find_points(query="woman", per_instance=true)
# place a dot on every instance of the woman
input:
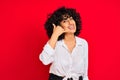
(67, 53)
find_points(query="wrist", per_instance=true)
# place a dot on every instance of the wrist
(53, 41)
(54, 36)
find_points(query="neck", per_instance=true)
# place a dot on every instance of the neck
(69, 37)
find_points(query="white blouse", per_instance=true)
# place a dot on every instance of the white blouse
(67, 64)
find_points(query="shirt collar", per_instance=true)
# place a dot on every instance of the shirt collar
(78, 41)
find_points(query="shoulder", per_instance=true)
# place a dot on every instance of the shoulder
(81, 40)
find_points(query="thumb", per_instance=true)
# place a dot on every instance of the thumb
(54, 26)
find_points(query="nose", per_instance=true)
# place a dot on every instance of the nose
(70, 22)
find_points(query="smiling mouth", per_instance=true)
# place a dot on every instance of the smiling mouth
(71, 27)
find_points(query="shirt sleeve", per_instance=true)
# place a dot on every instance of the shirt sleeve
(85, 77)
(47, 54)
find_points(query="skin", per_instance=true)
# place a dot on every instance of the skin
(68, 27)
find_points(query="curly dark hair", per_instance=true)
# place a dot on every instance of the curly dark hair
(57, 17)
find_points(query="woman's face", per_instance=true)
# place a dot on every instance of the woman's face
(68, 24)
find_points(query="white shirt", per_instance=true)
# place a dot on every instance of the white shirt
(67, 64)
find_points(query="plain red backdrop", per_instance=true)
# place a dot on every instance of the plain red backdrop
(22, 37)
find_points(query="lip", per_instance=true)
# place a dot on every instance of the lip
(71, 27)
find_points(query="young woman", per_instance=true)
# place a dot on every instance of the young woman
(67, 53)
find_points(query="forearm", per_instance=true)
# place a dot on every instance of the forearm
(48, 52)
(53, 40)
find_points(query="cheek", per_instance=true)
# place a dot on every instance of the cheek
(64, 26)
(74, 22)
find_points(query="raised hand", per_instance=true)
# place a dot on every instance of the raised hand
(57, 30)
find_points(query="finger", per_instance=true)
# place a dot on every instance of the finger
(66, 30)
(54, 26)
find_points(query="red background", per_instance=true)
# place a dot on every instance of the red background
(22, 37)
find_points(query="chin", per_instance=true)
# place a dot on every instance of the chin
(72, 32)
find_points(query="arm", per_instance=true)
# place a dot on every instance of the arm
(86, 62)
(47, 55)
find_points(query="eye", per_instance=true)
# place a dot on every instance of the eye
(64, 21)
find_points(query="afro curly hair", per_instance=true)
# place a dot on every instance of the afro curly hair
(57, 16)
